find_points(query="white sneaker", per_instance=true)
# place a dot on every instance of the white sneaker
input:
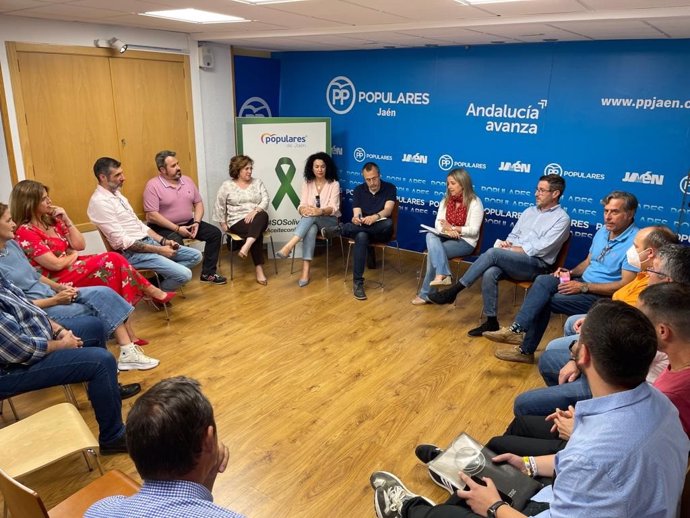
(136, 360)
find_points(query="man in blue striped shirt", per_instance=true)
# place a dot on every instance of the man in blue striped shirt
(172, 439)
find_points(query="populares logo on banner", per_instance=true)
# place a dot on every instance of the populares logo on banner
(285, 177)
(647, 178)
(555, 168)
(509, 119)
(446, 163)
(360, 155)
(255, 107)
(290, 140)
(685, 185)
(342, 95)
(515, 167)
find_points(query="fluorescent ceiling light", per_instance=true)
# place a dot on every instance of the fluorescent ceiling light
(480, 2)
(194, 16)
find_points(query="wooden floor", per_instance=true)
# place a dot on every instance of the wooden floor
(312, 389)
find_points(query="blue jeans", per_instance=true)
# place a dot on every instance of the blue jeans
(495, 264)
(545, 400)
(97, 301)
(570, 322)
(379, 232)
(552, 359)
(306, 230)
(175, 271)
(543, 299)
(93, 364)
(440, 250)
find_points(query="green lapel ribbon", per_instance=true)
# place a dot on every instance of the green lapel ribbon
(285, 182)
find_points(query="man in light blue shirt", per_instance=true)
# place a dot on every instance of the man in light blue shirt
(529, 250)
(172, 439)
(627, 455)
(604, 270)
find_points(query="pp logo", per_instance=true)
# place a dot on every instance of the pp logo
(340, 95)
(553, 168)
(445, 162)
(359, 154)
(685, 185)
(255, 107)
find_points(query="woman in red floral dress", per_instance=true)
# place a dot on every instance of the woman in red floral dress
(52, 242)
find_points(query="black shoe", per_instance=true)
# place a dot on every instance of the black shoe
(213, 278)
(391, 494)
(127, 391)
(428, 452)
(119, 445)
(371, 258)
(358, 291)
(446, 296)
(331, 232)
(486, 326)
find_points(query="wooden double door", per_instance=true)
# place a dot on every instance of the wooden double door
(77, 104)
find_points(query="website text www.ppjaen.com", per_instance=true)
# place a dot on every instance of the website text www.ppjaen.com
(646, 103)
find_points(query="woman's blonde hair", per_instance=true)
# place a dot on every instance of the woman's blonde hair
(463, 178)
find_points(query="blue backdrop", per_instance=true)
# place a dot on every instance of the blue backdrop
(257, 86)
(604, 115)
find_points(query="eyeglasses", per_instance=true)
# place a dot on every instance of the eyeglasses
(573, 350)
(604, 252)
(660, 274)
(542, 191)
(318, 201)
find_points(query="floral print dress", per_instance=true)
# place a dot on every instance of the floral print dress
(107, 269)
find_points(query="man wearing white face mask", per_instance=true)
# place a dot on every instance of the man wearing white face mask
(564, 385)
(604, 270)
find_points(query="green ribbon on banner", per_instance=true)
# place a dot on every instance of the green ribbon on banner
(285, 182)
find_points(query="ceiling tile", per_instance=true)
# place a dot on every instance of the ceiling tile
(674, 27)
(14, 5)
(601, 5)
(610, 30)
(426, 10)
(534, 7)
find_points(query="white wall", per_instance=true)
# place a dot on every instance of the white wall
(216, 89)
(212, 91)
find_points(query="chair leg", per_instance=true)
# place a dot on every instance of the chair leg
(14, 410)
(422, 271)
(91, 452)
(399, 257)
(273, 249)
(69, 394)
(383, 266)
(292, 263)
(347, 261)
(231, 258)
(342, 249)
(328, 246)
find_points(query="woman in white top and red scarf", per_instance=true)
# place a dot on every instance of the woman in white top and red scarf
(459, 219)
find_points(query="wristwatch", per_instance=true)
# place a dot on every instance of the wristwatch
(584, 287)
(491, 511)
